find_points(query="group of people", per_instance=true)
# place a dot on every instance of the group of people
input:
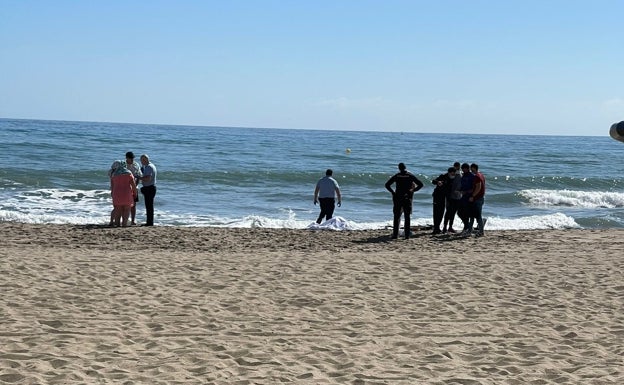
(125, 177)
(459, 194)
(454, 194)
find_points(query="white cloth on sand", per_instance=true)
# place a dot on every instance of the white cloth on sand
(336, 223)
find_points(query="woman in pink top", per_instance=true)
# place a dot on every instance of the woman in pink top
(123, 191)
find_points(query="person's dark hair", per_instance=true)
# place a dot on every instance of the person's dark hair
(456, 164)
(451, 169)
(329, 172)
(465, 165)
(475, 166)
(130, 155)
(402, 166)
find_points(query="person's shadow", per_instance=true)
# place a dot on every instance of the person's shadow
(416, 233)
(92, 226)
(449, 237)
(378, 239)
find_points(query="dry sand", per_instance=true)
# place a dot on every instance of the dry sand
(170, 305)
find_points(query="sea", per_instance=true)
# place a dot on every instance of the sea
(56, 172)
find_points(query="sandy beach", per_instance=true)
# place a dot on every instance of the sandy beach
(172, 305)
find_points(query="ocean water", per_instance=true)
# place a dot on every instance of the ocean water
(56, 172)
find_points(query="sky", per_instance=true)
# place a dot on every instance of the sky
(440, 66)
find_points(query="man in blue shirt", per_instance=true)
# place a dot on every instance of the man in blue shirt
(326, 191)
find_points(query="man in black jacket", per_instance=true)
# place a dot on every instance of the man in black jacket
(441, 194)
(405, 186)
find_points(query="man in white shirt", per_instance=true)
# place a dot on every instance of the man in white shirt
(326, 191)
(148, 180)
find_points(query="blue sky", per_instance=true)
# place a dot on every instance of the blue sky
(509, 67)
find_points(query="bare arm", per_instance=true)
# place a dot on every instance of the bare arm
(135, 192)
(476, 190)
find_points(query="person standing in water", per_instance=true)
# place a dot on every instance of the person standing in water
(326, 192)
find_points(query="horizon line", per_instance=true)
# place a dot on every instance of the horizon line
(300, 128)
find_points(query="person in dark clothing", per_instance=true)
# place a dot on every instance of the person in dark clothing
(441, 194)
(466, 205)
(454, 201)
(405, 185)
(477, 199)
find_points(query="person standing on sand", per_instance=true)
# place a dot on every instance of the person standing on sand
(406, 184)
(148, 180)
(326, 191)
(441, 193)
(477, 197)
(465, 206)
(453, 201)
(135, 169)
(123, 191)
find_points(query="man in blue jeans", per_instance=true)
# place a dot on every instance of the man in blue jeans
(148, 180)
(477, 199)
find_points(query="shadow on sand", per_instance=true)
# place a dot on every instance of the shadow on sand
(91, 226)
(417, 232)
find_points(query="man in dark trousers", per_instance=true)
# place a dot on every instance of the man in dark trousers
(441, 194)
(326, 191)
(405, 185)
(149, 187)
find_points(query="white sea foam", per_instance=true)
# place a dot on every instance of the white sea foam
(42, 218)
(571, 198)
(66, 206)
(57, 206)
(551, 221)
(291, 222)
(534, 222)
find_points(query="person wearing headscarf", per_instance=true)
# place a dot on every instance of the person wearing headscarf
(123, 191)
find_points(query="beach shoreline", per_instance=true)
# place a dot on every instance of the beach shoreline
(207, 238)
(181, 305)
